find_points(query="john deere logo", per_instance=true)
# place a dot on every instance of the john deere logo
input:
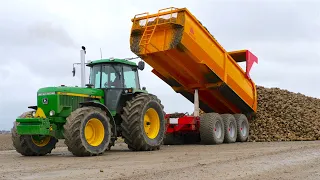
(45, 100)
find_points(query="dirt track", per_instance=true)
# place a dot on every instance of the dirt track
(275, 160)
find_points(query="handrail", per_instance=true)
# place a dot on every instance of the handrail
(145, 13)
(171, 8)
(160, 12)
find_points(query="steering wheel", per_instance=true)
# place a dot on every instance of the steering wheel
(106, 84)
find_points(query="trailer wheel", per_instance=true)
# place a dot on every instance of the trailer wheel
(242, 127)
(211, 128)
(230, 128)
(143, 123)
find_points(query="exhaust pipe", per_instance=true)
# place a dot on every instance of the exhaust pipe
(83, 60)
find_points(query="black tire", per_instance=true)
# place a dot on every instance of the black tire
(25, 145)
(74, 131)
(112, 143)
(114, 134)
(242, 127)
(211, 128)
(230, 128)
(133, 123)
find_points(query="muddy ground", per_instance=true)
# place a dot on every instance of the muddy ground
(263, 160)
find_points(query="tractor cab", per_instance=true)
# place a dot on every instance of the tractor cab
(117, 77)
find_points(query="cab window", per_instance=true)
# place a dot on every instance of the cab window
(111, 76)
(130, 77)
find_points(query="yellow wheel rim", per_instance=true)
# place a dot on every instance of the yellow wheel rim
(94, 132)
(41, 141)
(151, 123)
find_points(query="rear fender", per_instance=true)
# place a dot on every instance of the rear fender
(126, 97)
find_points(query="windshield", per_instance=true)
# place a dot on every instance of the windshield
(114, 76)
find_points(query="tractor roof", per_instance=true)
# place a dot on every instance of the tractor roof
(115, 60)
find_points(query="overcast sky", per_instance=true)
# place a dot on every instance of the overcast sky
(39, 41)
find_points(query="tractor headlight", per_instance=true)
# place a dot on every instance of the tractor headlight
(51, 113)
(33, 114)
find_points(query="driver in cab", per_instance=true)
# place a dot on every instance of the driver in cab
(117, 81)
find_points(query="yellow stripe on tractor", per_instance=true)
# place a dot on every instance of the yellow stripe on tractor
(79, 95)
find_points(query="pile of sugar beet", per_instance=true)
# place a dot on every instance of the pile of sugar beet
(285, 116)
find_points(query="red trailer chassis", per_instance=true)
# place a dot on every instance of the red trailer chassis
(182, 123)
(182, 129)
(185, 129)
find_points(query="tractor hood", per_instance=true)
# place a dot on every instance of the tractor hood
(62, 100)
(72, 91)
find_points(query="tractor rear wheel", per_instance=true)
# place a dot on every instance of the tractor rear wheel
(143, 124)
(87, 131)
(32, 145)
(211, 128)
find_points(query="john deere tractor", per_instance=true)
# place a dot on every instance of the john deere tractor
(91, 118)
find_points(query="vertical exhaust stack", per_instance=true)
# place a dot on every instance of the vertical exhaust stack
(83, 73)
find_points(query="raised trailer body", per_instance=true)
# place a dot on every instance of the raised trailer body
(184, 54)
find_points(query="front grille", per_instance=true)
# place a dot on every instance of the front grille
(72, 101)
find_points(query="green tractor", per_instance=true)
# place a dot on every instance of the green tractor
(91, 118)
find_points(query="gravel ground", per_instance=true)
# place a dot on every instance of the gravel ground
(259, 160)
(5, 142)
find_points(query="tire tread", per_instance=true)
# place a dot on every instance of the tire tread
(72, 133)
(131, 131)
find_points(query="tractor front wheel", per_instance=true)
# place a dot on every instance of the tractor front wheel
(143, 124)
(87, 131)
(32, 145)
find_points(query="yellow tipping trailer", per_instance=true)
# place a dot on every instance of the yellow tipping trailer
(184, 54)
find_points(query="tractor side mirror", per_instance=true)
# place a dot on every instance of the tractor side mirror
(141, 65)
(74, 71)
